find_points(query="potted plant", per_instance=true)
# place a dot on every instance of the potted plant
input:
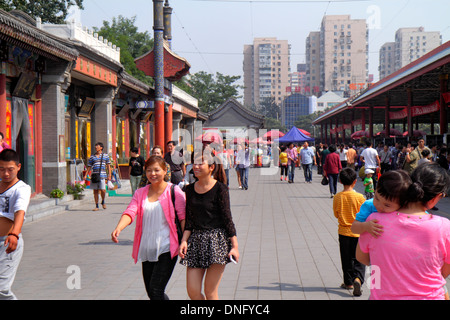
(76, 190)
(57, 194)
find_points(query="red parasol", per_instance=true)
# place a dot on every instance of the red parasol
(210, 137)
(271, 133)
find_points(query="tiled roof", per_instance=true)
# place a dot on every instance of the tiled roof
(31, 38)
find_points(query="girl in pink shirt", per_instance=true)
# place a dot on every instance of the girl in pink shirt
(411, 259)
(155, 240)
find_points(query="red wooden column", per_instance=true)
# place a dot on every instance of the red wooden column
(443, 110)
(363, 119)
(168, 126)
(409, 113)
(337, 133)
(386, 117)
(331, 135)
(352, 128)
(321, 132)
(114, 134)
(371, 122)
(147, 148)
(127, 135)
(3, 103)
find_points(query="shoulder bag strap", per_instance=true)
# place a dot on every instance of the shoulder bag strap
(100, 168)
(172, 194)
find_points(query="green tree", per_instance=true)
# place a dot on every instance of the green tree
(305, 122)
(268, 108)
(123, 33)
(274, 124)
(51, 11)
(211, 91)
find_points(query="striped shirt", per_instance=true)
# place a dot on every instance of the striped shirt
(94, 163)
(346, 205)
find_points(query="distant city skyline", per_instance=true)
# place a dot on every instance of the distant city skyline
(211, 34)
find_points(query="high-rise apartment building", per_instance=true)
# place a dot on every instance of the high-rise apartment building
(313, 63)
(387, 59)
(410, 44)
(297, 80)
(266, 70)
(343, 55)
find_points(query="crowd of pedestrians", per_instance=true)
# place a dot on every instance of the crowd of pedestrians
(183, 210)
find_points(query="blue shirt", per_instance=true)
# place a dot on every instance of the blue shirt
(307, 155)
(367, 208)
(94, 162)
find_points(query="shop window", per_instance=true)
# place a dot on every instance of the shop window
(143, 140)
(120, 141)
(134, 141)
(83, 140)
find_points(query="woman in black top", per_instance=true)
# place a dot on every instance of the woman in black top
(209, 240)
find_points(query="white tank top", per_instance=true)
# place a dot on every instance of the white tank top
(155, 239)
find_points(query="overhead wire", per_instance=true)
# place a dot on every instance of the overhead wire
(192, 41)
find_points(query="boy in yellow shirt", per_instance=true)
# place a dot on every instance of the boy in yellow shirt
(346, 205)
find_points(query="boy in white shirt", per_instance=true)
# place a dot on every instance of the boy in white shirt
(14, 199)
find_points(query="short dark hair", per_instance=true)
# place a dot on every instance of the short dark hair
(332, 148)
(347, 176)
(99, 144)
(393, 185)
(9, 155)
(425, 153)
(135, 150)
(171, 142)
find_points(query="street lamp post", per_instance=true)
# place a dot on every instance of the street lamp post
(158, 29)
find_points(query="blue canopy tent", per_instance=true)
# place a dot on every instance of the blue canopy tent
(294, 135)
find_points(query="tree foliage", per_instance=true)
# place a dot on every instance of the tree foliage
(51, 11)
(305, 122)
(211, 91)
(123, 33)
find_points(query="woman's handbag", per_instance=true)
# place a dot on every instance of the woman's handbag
(324, 181)
(177, 221)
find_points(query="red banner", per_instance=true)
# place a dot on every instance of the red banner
(418, 111)
(415, 111)
(398, 114)
(446, 96)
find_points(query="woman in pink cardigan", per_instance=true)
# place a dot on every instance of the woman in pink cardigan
(155, 239)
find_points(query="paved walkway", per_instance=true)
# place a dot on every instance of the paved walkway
(287, 237)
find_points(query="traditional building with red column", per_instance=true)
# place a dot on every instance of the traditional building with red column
(27, 55)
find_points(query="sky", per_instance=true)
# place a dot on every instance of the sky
(211, 34)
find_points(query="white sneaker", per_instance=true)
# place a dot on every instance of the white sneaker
(240, 187)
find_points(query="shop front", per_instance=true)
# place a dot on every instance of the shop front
(133, 122)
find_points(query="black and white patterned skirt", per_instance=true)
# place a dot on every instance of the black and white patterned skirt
(207, 247)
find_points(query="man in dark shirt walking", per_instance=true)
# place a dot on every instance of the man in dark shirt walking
(175, 160)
